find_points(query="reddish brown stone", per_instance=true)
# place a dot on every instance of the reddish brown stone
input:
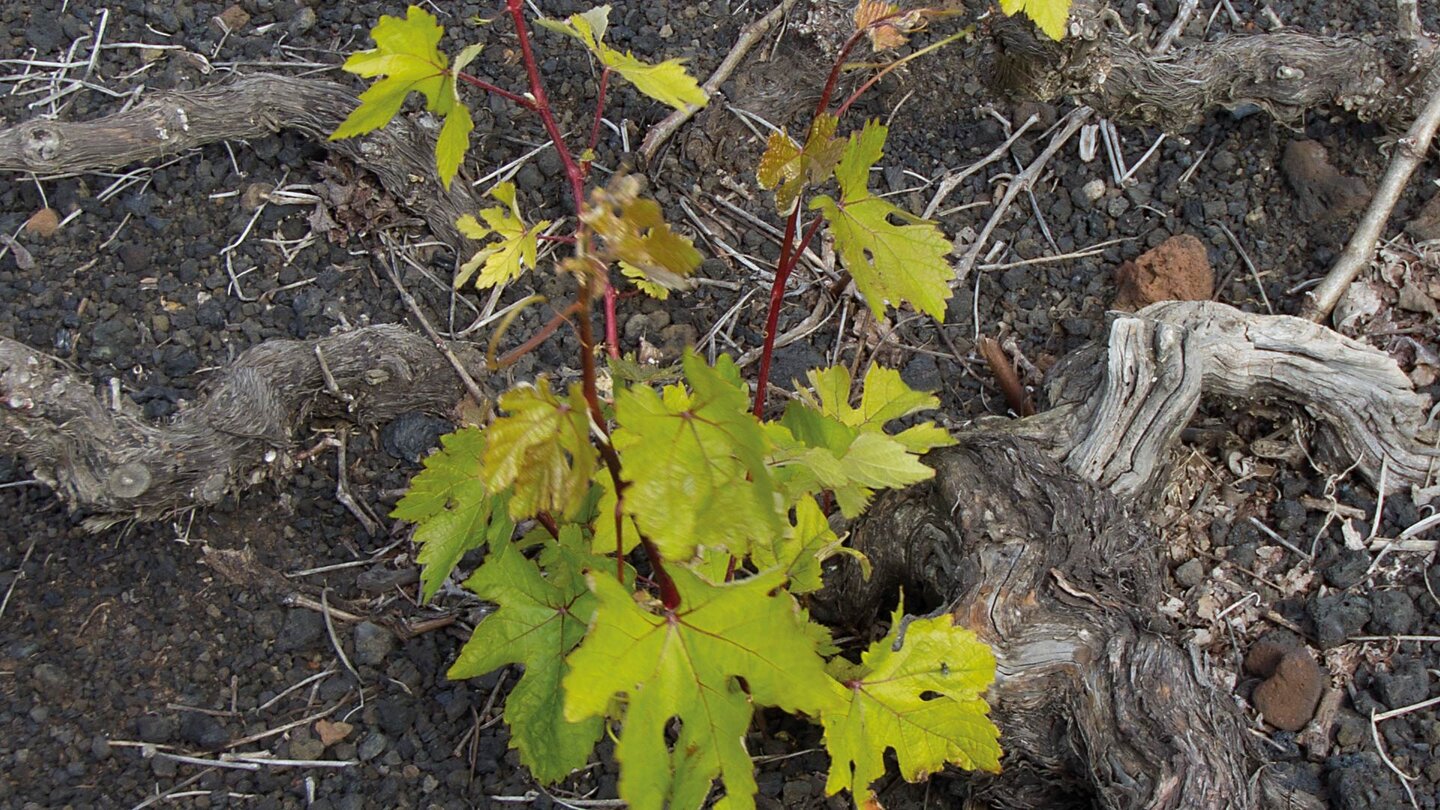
(1176, 270)
(43, 223)
(1288, 698)
(1265, 655)
(233, 19)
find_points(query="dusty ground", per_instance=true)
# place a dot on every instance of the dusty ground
(122, 652)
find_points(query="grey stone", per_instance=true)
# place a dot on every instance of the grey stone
(50, 681)
(154, 728)
(373, 644)
(203, 730)
(301, 629)
(372, 746)
(164, 767)
(306, 748)
(1393, 613)
(395, 715)
(1190, 573)
(1406, 683)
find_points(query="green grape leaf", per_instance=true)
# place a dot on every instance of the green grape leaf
(637, 236)
(453, 469)
(407, 55)
(789, 169)
(924, 437)
(454, 140)
(878, 461)
(588, 28)
(890, 263)
(918, 691)
(685, 664)
(1048, 15)
(822, 442)
(883, 398)
(453, 509)
(868, 461)
(819, 633)
(642, 282)
(695, 461)
(538, 623)
(628, 369)
(666, 82)
(541, 450)
(801, 550)
(516, 249)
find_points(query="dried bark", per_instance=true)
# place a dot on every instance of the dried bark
(1117, 409)
(1097, 706)
(401, 155)
(106, 458)
(1285, 73)
(1032, 534)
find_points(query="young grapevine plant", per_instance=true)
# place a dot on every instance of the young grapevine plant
(668, 534)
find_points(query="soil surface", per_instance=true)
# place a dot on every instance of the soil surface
(133, 660)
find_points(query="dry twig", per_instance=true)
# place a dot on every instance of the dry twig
(661, 132)
(1410, 150)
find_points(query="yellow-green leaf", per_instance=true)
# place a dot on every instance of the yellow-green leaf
(824, 443)
(1049, 15)
(917, 691)
(686, 664)
(453, 509)
(802, 549)
(884, 397)
(666, 82)
(454, 140)
(890, 262)
(588, 28)
(642, 282)
(700, 447)
(603, 540)
(541, 450)
(635, 233)
(538, 623)
(517, 245)
(407, 55)
(789, 169)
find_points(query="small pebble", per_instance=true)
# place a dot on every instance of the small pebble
(1190, 573)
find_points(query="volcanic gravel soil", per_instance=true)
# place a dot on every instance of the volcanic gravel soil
(132, 660)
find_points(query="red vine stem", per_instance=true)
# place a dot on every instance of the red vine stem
(539, 337)
(481, 84)
(599, 110)
(789, 257)
(573, 172)
(789, 254)
(542, 106)
(612, 328)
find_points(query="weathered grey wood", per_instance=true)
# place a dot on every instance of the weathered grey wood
(1093, 698)
(105, 457)
(1285, 73)
(1114, 418)
(1033, 535)
(402, 155)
